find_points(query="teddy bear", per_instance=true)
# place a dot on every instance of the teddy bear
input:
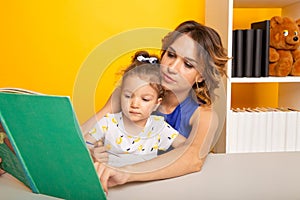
(284, 51)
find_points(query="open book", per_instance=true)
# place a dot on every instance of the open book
(41, 144)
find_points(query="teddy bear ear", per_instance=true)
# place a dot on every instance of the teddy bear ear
(276, 20)
(298, 23)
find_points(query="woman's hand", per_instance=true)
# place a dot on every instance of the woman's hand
(110, 177)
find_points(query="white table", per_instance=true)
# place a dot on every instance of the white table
(224, 176)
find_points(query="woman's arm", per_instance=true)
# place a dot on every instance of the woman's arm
(112, 105)
(180, 161)
(185, 159)
(178, 141)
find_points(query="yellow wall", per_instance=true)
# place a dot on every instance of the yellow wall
(254, 94)
(45, 43)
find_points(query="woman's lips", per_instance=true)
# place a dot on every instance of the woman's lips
(168, 78)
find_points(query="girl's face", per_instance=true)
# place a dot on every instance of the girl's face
(178, 65)
(138, 100)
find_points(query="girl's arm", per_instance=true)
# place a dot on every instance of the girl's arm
(183, 160)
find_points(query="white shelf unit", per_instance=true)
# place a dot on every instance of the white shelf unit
(219, 15)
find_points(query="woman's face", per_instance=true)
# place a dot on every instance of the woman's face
(179, 63)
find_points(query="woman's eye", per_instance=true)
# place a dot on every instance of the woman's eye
(171, 54)
(146, 100)
(188, 65)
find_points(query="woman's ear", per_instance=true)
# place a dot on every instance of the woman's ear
(199, 78)
(159, 100)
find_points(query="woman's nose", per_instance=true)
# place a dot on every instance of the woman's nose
(174, 66)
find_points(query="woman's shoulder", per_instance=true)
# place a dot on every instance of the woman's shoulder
(203, 112)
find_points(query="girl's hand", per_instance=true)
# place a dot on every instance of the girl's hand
(110, 177)
(97, 149)
(99, 152)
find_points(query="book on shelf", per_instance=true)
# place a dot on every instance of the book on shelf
(248, 43)
(265, 27)
(248, 117)
(233, 136)
(260, 120)
(266, 120)
(257, 54)
(298, 132)
(264, 130)
(42, 145)
(278, 135)
(238, 54)
(233, 63)
(291, 130)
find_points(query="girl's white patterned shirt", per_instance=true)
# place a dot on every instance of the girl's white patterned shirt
(156, 135)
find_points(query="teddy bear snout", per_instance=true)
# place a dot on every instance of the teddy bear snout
(295, 38)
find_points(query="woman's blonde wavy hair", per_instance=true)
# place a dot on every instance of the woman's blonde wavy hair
(211, 53)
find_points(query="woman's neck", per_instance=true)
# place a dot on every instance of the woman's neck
(171, 101)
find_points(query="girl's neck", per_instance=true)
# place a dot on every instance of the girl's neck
(131, 127)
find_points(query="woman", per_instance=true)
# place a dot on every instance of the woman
(192, 63)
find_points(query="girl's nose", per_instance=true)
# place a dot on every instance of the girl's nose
(134, 103)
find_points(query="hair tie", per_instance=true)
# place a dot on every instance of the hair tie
(151, 60)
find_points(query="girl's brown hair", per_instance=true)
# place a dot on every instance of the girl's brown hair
(147, 68)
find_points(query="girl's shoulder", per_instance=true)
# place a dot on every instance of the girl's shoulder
(111, 118)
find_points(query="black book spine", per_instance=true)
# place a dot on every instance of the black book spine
(239, 53)
(248, 52)
(265, 26)
(257, 53)
(233, 66)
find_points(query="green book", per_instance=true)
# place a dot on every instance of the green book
(44, 147)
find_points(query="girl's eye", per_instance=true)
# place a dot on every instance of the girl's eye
(146, 100)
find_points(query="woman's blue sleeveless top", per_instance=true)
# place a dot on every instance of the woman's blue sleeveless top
(180, 117)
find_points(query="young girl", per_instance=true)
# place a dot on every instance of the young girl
(134, 135)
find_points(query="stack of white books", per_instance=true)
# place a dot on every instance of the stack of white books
(263, 130)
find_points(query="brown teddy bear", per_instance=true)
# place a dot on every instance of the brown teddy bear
(284, 55)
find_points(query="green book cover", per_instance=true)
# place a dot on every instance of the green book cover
(49, 154)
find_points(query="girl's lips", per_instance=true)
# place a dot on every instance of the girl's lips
(134, 112)
(168, 78)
